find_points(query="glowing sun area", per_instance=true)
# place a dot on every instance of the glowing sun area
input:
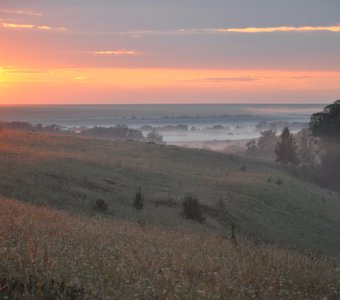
(2, 75)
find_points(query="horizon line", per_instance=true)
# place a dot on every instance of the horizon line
(194, 103)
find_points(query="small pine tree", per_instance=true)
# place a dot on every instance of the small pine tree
(100, 205)
(266, 143)
(138, 203)
(286, 148)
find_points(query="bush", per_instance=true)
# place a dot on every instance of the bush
(138, 203)
(277, 180)
(192, 209)
(100, 205)
(154, 137)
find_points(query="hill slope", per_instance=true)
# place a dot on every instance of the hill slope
(72, 172)
(48, 254)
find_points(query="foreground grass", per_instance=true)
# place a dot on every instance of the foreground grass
(46, 254)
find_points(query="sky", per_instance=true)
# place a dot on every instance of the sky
(169, 51)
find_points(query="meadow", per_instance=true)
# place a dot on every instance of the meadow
(259, 197)
(54, 243)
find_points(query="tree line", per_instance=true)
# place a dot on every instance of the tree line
(316, 150)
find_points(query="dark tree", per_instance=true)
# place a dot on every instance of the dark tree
(326, 124)
(154, 137)
(328, 173)
(192, 209)
(286, 148)
(266, 143)
(308, 152)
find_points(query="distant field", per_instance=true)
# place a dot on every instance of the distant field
(264, 201)
(49, 254)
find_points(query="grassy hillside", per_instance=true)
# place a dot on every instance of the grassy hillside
(48, 254)
(72, 172)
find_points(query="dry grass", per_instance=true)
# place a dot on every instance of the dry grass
(46, 254)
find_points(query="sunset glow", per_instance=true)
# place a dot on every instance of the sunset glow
(155, 85)
(48, 56)
(2, 76)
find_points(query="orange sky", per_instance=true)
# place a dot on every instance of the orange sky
(52, 58)
(29, 86)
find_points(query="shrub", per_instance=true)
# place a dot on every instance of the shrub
(100, 205)
(192, 209)
(138, 203)
(279, 181)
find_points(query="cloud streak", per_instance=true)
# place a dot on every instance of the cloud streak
(117, 52)
(205, 31)
(22, 12)
(222, 79)
(335, 28)
(8, 25)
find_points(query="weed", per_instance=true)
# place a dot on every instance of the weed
(138, 202)
(233, 236)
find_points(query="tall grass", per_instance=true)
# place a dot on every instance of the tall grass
(48, 253)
